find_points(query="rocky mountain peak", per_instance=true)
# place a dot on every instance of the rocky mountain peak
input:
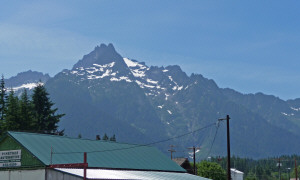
(103, 48)
(103, 54)
(26, 78)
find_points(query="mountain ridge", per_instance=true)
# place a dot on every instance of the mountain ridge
(105, 92)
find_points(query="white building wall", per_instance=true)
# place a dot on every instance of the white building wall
(38, 174)
(236, 175)
(57, 175)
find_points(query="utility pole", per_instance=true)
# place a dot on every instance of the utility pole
(85, 162)
(194, 151)
(279, 169)
(296, 173)
(288, 173)
(51, 154)
(171, 150)
(228, 147)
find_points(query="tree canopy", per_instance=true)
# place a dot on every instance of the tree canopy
(211, 170)
(35, 114)
(45, 117)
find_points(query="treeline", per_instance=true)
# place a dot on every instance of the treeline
(29, 114)
(104, 138)
(265, 169)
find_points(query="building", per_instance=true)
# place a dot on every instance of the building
(30, 156)
(185, 164)
(236, 175)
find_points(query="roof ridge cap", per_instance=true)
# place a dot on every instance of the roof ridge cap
(57, 136)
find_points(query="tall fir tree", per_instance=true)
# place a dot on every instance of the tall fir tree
(2, 104)
(12, 113)
(113, 138)
(26, 116)
(105, 137)
(2, 97)
(45, 117)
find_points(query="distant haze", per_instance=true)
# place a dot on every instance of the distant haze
(250, 46)
(105, 92)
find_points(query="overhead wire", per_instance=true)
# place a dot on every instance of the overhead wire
(212, 144)
(142, 145)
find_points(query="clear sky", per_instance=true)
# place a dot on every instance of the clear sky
(250, 46)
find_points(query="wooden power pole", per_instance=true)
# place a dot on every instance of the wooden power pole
(171, 150)
(296, 169)
(279, 164)
(85, 162)
(194, 157)
(228, 147)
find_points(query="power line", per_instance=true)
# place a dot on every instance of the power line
(136, 146)
(212, 144)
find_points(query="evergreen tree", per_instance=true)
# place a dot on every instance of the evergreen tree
(45, 117)
(98, 137)
(113, 138)
(105, 137)
(26, 117)
(2, 104)
(12, 114)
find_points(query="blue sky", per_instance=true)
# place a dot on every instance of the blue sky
(250, 46)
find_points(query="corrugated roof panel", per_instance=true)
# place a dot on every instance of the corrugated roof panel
(103, 154)
(125, 174)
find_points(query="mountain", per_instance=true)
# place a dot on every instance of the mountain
(107, 93)
(99, 95)
(280, 113)
(27, 80)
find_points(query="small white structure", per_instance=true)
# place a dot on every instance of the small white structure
(236, 175)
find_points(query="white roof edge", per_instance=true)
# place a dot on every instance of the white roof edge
(130, 174)
(236, 171)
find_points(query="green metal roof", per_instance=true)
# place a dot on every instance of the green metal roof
(101, 154)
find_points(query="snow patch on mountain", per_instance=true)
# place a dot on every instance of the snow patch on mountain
(285, 114)
(154, 80)
(106, 65)
(27, 86)
(138, 70)
(176, 87)
(295, 109)
(167, 95)
(130, 63)
(160, 106)
(121, 79)
(151, 81)
(98, 71)
(142, 74)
